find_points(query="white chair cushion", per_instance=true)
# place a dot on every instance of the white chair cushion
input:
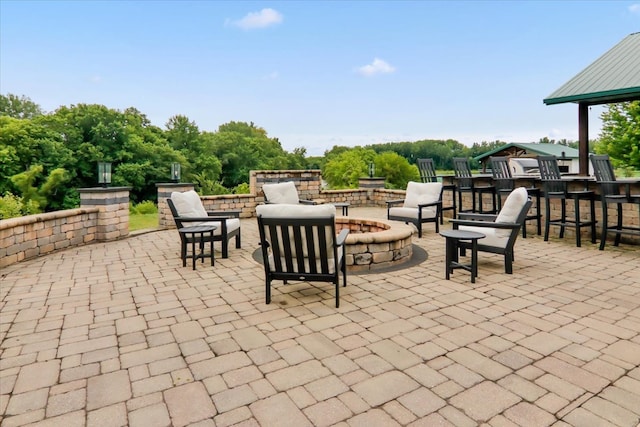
(232, 225)
(420, 193)
(283, 192)
(296, 211)
(188, 204)
(512, 208)
(492, 237)
(428, 212)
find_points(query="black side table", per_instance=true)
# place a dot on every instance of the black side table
(344, 206)
(453, 238)
(199, 234)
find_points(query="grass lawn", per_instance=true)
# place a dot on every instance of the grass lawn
(143, 221)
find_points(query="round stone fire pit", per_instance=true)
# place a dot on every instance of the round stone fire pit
(375, 243)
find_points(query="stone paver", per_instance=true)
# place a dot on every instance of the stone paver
(119, 333)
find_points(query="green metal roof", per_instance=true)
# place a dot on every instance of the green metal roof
(532, 148)
(614, 77)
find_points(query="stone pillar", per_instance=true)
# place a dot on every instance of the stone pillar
(113, 202)
(165, 219)
(371, 184)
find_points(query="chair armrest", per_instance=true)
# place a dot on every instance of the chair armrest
(200, 219)
(232, 213)
(425, 205)
(394, 202)
(477, 217)
(505, 225)
(342, 237)
(306, 202)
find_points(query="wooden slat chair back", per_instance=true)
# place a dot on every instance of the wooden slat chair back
(427, 170)
(300, 243)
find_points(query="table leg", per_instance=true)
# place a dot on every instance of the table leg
(474, 260)
(448, 257)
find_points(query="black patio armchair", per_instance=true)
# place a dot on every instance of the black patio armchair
(299, 243)
(501, 230)
(187, 210)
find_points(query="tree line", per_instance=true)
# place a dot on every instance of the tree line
(46, 157)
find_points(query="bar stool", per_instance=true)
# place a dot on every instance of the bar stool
(467, 185)
(557, 188)
(428, 174)
(505, 184)
(610, 195)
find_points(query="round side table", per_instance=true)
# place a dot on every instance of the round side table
(199, 234)
(453, 237)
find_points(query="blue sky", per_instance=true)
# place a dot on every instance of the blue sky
(318, 74)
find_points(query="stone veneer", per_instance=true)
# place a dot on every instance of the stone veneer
(103, 215)
(374, 244)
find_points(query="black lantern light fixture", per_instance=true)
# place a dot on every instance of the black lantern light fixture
(104, 173)
(175, 172)
(372, 169)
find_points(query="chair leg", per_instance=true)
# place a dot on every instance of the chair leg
(268, 291)
(592, 211)
(563, 215)
(619, 224)
(225, 247)
(578, 224)
(547, 212)
(538, 216)
(337, 286)
(605, 221)
(238, 246)
(508, 262)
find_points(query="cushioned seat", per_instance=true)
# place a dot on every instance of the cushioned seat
(421, 204)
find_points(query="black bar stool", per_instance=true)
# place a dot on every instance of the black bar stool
(466, 184)
(428, 174)
(557, 188)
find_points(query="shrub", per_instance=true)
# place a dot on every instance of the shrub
(12, 206)
(143, 208)
(241, 189)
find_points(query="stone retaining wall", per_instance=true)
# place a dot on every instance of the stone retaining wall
(34, 235)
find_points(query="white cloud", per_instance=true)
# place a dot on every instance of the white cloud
(263, 19)
(378, 66)
(635, 8)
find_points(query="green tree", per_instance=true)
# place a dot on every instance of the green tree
(344, 170)
(37, 188)
(18, 107)
(396, 170)
(620, 135)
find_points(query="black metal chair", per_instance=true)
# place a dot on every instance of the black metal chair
(466, 184)
(505, 184)
(501, 230)
(610, 196)
(227, 223)
(428, 174)
(300, 243)
(422, 204)
(555, 188)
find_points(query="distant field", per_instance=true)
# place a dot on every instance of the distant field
(142, 222)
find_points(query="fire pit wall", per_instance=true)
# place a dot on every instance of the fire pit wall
(375, 244)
